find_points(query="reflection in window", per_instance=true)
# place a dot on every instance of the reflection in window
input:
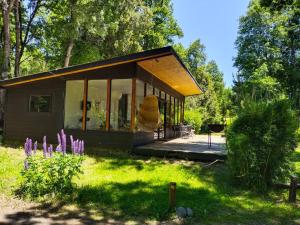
(139, 97)
(176, 111)
(156, 92)
(120, 112)
(168, 109)
(172, 114)
(96, 104)
(149, 89)
(73, 104)
(40, 103)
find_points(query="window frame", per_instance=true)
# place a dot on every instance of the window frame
(41, 95)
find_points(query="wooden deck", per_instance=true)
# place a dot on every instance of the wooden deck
(190, 148)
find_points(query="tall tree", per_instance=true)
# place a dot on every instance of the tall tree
(268, 44)
(7, 6)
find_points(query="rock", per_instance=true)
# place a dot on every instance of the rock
(181, 212)
(189, 212)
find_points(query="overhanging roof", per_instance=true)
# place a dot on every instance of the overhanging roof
(163, 63)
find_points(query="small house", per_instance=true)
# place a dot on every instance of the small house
(99, 101)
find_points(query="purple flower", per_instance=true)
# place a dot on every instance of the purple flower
(28, 147)
(50, 150)
(58, 148)
(72, 144)
(63, 141)
(59, 139)
(82, 147)
(45, 146)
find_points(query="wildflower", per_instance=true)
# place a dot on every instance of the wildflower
(35, 147)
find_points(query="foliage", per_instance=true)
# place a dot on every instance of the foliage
(117, 185)
(268, 45)
(50, 175)
(194, 118)
(67, 32)
(260, 142)
(214, 102)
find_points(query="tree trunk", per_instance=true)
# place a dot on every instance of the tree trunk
(69, 53)
(18, 39)
(6, 56)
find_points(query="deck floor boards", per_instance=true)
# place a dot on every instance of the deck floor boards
(192, 148)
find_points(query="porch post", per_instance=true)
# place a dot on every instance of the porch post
(108, 101)
(133, 103)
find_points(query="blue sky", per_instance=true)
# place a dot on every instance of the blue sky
(215, 22)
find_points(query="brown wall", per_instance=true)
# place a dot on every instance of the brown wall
(20, 123)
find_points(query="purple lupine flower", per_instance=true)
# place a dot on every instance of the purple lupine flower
(63, 141)
(26, 165)
(30, 145)
(79, 147)
(76, 146)
(35, 147)
(72, 143)
(45, 146)
(58, 148)
(50, 150)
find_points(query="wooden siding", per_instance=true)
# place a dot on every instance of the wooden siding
(20, 123)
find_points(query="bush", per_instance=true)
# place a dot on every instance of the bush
(50, 175)
(260, 142)
(193, 118)
(53, 172)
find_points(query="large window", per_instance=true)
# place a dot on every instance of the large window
(74, 104)
(139, 97)
(96, 105)
(40, 103)
(120, 112)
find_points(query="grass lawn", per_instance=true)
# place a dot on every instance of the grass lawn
(117, 185)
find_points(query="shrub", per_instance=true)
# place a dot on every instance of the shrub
(260, 142)
(51, 172)
(193, 118)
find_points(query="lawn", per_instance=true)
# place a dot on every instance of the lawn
(117, 185)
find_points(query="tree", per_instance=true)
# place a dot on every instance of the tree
(267, 43)
(7, 6)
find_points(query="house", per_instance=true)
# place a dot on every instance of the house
(99, 101)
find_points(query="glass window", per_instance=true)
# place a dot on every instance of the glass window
(172, 115)
(96, 105)
(74, 104)
(139, 97)
(168, 108)
(149, 89)
(120, 111)
(176, 111)
(162, 95)
(40, 103)
(156, 92)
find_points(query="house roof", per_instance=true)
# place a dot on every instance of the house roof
(163, 63)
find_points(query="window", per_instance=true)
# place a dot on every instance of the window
(96, 105)
(74, 104)
(149, 89)
(120, 111)
(40, 103)
(139, 97)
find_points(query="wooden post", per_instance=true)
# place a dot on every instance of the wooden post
(172, 195)
(84, 109)
(133, 104)
(293, 189)
(108, 102)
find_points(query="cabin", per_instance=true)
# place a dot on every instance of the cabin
(99, 101)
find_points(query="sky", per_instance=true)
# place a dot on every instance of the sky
(215, 22)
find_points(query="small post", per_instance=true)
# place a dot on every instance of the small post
(172, 195)
(293, 189)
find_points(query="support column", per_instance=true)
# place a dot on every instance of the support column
(108, 102)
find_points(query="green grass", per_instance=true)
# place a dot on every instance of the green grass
(125, 187)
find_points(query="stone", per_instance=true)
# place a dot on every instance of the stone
(181, 212)
(189, 212)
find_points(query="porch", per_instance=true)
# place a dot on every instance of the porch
(192, 148)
